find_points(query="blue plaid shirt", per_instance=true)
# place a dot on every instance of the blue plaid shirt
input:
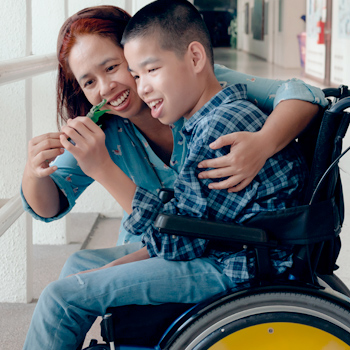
(278, 185)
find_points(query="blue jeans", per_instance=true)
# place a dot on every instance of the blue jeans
(68, 307)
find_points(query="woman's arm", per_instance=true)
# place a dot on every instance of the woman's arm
(268, 93)
(295, 102)
(90, 151)
(39, 190)
(249, 151)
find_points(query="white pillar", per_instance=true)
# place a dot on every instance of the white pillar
(16, 268)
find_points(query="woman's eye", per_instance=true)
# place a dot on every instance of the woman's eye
(152, 70)
(136, 77)
(88, 83)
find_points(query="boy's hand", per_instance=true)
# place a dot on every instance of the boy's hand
(42, 150)
(247, 156)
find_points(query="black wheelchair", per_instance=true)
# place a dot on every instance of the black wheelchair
(307, 308)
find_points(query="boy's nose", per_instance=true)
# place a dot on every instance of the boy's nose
(143, 88)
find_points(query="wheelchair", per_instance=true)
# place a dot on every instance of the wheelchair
(306, 308)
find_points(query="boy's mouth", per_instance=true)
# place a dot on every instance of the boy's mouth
(155, 107)
(120, 100)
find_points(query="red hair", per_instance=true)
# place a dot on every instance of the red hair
(71, 101)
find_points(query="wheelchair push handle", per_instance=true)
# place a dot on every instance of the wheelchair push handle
(109, 331)
(340, 106)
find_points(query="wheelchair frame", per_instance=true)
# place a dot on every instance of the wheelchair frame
(317, 295)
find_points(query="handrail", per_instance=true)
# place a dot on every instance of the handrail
(25, 67)
(10, 212)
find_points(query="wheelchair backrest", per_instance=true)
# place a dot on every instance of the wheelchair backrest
(326, 136)
(322, 144)
(315, 226)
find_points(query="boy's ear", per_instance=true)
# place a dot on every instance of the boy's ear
(198, 55)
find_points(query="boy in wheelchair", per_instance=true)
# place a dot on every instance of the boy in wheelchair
(174, 74)
(173, 70)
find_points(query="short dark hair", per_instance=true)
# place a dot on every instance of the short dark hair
(176, 23)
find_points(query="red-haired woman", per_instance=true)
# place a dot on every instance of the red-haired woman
(92, 67)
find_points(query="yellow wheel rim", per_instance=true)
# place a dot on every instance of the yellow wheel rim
(280, 336)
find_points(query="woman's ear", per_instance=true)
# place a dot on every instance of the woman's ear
(198, 55)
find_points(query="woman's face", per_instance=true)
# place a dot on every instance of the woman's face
(101, 70)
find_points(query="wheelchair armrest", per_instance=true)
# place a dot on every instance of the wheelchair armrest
(212, 230)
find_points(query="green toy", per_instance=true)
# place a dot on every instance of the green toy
(94, 114)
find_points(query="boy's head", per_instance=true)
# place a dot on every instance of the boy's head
(168, 49)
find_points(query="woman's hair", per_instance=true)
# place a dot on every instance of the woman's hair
(71, 101)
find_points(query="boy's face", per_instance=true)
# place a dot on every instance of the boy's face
(164, 81)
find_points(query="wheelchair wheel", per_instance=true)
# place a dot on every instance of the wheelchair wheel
(270, 321)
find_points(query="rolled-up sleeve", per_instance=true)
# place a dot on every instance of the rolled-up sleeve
(268, 93)
(69, 179)
(296, 89)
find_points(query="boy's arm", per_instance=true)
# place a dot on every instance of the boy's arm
(146, 206)
(141, 254)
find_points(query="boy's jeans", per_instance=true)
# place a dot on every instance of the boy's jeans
(68, 307)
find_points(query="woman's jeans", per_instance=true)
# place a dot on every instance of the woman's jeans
(67, 308)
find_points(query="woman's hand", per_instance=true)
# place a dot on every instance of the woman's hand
(38, 188)
(89, 147)
(248, 155)
(42, 150)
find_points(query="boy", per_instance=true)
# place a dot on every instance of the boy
(168, 50)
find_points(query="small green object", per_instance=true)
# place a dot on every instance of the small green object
(95, 113)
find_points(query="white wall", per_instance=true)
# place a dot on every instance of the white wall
(315, 53)
(245, 41)
(340, 57)
(281, 48)
(15, 258)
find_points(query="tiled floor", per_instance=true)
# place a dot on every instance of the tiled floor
(249, 64)
(15, 318)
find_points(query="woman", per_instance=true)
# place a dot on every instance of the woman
(92, 67)
(147, 151)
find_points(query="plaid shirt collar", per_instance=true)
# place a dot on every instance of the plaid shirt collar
(225, 96)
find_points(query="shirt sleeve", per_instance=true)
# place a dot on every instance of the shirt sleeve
(146, 207)
(268, 93)
(69, 179)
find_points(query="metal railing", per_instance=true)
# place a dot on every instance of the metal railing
(12, 71)
(10, 212)
(26, 67)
